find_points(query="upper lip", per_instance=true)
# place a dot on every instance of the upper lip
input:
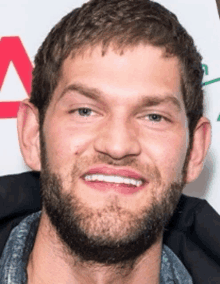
(123, 172)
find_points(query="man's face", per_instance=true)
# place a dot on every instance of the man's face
(113, 117)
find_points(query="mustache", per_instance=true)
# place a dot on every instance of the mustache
(84, 163)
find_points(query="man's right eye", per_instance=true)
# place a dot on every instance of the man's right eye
(82, 111)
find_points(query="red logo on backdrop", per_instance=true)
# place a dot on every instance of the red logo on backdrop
(12, 50)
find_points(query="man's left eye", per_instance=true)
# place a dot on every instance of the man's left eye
(155, 117)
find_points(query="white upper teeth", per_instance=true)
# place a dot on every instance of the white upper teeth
(114, 179)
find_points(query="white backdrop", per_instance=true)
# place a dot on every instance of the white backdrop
(30, 21)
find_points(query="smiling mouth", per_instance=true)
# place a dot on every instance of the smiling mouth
(120, 184)
(114, 179)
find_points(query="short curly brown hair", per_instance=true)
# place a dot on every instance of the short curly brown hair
(123, 23)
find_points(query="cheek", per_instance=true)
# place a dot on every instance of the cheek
(64, 145)
(176, 161)
(168, 153)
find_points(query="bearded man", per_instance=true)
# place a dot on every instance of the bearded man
(115, 125)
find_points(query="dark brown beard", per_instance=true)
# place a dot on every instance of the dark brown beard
(71, 219)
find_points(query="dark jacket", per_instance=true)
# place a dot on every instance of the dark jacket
(193, 233)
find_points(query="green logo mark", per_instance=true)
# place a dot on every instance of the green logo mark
(206, 72)
(211, 82)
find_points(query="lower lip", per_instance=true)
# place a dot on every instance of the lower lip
(117, 187)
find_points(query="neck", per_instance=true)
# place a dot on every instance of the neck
(49, 262)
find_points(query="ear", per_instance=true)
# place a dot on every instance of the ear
(28, 134)
(201, 142)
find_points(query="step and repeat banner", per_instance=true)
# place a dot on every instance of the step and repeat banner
(23, 26)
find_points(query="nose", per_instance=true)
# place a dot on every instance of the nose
(118, 139)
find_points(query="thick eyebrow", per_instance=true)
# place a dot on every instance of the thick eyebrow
(157, 100)
(145, 101)
(91, 93)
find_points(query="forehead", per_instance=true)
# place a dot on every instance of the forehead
(142, 70)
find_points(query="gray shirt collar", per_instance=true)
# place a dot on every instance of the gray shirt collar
(21, 240)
